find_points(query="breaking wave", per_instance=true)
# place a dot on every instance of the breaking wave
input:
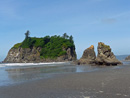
(30, 64)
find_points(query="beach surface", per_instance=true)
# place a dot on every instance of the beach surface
(106, 83)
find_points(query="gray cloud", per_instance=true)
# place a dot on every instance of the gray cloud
(109, 21)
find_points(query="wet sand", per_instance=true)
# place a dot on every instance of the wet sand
(113, 83)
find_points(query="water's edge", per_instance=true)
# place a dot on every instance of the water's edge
(14, 73)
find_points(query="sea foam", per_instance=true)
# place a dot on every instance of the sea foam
(30, 64)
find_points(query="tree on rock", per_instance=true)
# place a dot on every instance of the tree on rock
(71, 39)
(65, 36)
(27, 34)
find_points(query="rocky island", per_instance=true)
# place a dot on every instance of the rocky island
(127, 58)
(46, 49)
(105, 56)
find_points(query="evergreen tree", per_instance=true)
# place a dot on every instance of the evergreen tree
(65, 36)
(27, 34)
(71, 39)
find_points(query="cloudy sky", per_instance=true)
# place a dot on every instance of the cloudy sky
(89, 21)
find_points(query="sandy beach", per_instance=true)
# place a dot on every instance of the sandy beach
(113, 83)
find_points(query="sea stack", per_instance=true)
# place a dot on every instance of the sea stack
(88, 57)
(127, 58)
(45, 49)
(105, 56)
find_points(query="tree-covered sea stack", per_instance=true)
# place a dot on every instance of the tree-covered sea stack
(45, 49)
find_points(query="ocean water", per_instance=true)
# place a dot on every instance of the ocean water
(121, 57)
(14, 73)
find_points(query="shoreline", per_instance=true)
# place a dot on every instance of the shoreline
(31, 64)
(98, 84)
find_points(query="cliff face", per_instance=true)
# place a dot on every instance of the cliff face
(32, 55)
(22, 55)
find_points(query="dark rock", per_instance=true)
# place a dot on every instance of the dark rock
(88, 57)
(32, 55)
(105, 56)
(127, 58)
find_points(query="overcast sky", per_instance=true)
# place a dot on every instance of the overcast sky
(89, 21)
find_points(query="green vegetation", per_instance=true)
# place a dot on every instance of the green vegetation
(105, 46)
(17, 45)
(52, 46)
(27, 34)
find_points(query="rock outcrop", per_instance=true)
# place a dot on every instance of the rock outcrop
(45, 49)
(127, 58)
(88, 57)
(32, 55)
(105, 56)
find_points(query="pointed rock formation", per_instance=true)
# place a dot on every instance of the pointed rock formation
(105, 55)
(88, 57)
